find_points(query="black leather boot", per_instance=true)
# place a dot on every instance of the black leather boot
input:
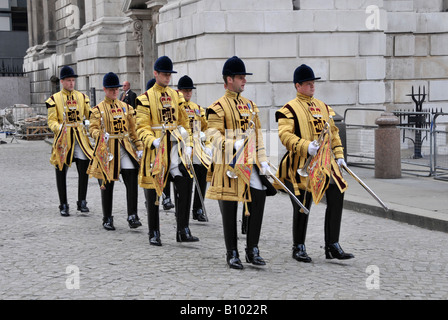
(233, 260)
(108, 223)
(254, 222)
(167, 203)
(152, 211)
(63, 210)
(154, 238)
(61, 183)
(201, 174)
(134, 221)
(334, 251)
(83, 182)
(228, 213)
(299, 225)
(198, 214)
(130, 178)
(82, 206)
(253, 256)
(333, 213)
(106, 202)
(184, 235)
(299, 253)
(182, 202)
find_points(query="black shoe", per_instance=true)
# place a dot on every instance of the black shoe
(334, 251)
(199, 215)
(82, 206)
(108, 223)
(299, 253)
(154, 238)
(253, 256)
(184, 235)
(167, 204)
(233, 260)
(63, 210)
(134, 221)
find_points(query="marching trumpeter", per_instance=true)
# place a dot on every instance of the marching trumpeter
(163, 127)
(68, 112)
(307, 130)
(117, 151)
(239, 160)
(166, 203)
(198, 126)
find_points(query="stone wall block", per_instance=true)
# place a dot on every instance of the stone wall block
(266, 45)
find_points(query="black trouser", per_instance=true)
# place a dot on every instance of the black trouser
(83, 180)
(201, 175)
(130, 178)
(229, 217)
(333, 214)
(182, 199)
(167, 189)
(152, 210)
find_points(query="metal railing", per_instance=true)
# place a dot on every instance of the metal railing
(416, 141)
(424, 140)
(360, 137)
(440, 139)
(11, 67)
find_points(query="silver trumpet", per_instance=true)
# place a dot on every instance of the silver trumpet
(230, 173)
(304, 170)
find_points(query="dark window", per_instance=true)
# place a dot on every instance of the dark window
(19, 19)
(18, 15)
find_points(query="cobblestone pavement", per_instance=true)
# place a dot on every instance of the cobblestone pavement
(42, 252)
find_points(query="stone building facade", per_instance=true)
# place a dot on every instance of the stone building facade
(369, 53)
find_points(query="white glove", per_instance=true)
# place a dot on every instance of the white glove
(208, 151)
(341, 162)
(183, 133)
(156, 143)
(188, 151)
(265, 169)
(313, 148)
(86, 123)
(202, 135)
(238, 144)
(139, 154)
(106, 137)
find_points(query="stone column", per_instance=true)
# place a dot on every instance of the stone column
(387, 147)
(144, 25)
(49, 29)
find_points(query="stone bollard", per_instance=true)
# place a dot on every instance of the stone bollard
(387, 147)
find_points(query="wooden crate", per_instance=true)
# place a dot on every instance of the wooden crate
(37, 133)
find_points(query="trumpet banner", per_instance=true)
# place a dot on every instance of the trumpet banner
(101, 153)
(244, 159)
(61, 146)
(200, 154)
(159, 167)
(320, 170)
